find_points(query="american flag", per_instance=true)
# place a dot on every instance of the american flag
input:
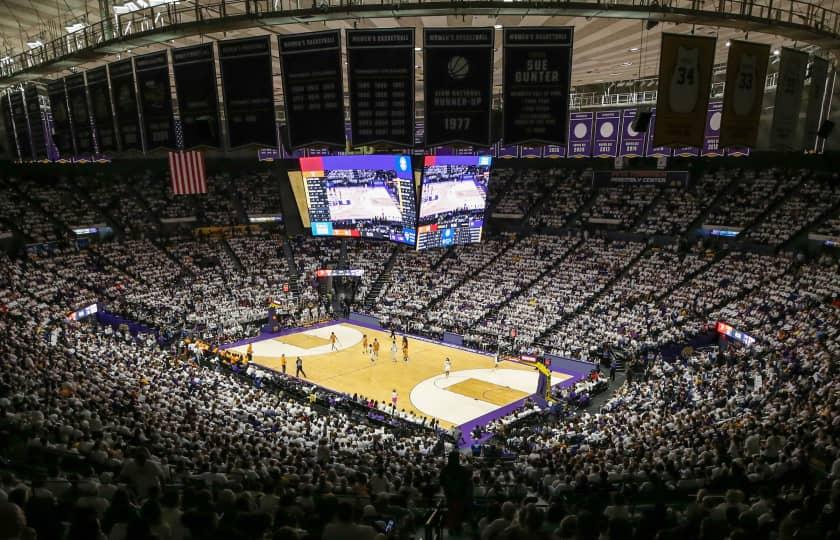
(186, 169)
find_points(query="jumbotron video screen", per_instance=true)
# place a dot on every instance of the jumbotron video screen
(361, 196)
(453, 200)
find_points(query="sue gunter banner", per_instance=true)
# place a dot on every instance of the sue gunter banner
(685, 78)
(537, 80)
(746, 72)
(793, 66)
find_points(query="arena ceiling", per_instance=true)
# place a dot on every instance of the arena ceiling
(606, 49)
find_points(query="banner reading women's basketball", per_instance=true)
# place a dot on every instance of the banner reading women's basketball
(458, 85)
(793, 66)
(537, 68)
(685, 78)
(746, 71)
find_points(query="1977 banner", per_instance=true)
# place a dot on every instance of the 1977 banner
(537, 68)
(458, 85)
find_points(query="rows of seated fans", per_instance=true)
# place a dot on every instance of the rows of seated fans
(678, 207)
(565, 194)
(750, 195)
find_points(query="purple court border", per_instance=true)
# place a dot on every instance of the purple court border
(465, 428)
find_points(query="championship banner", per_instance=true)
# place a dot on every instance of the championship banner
(21, 125)
(606, 134)
(79, 114)
(458, 84)
(746, 73)
(554, 151)
(62, 136)
(104, 135)
(248, 91)
(125, 104)
(817, 74)
(9, 126)
(651, 150)
(380, 71)
(32, 103)
(737, 151)
(580, 135)
(632, 142)
(508, 151)
(711, 140)
(198, 99)
(152, 72)
(640, 178)
(685, 79)
(531, 152)
(793, 66)
(536, 85)
(314, 98)
(686, 151)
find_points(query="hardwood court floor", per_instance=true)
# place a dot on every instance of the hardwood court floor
(350, 371)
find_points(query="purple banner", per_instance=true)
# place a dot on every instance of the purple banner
(735, 151)
(580, 135)
(655, 151)
(711, 140)
(606, 133)
(554, 151)
(531, 151)
(508, 152)
(686, 151)
(632, 142)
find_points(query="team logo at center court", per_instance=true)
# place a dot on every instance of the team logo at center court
(684, 84)
(458, 67)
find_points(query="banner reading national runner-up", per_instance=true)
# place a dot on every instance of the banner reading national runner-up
(313, 89)
(380, 69)
(458, 85)
(537, 79)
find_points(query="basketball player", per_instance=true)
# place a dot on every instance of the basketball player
(447, 366)
(283, 362)
(376, 348)
(370, 353)
(405, 349)
(333, 339)
(393, 349)
(299, 366)
(394, 398)
(364, 344)
(250, 353)
(497, 361)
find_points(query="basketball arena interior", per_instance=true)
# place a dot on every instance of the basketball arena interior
(419, 270)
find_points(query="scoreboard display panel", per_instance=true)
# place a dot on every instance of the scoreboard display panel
(453, 200)
(361, 196)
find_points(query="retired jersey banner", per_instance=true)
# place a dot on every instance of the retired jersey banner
(580, 135)
(536, 84)
(21, 125)
(793, 67)
(632, 142)
(380, 69)
(685, 79)
(313, 88)
(125, 104)
(554, 151)
(79, 114)
(62, 135)
(606, 133)
(100, 102)
(711, 140)
(37, 132)
(746, 72)
(152, 73)
(655, 151)
(458, 85)
(817, 74)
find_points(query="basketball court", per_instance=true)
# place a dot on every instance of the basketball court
(473, 389)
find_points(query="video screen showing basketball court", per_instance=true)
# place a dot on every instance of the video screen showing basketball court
(474, 392)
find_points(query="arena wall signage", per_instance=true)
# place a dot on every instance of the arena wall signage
(606, 134)
(640, 178)
(125, 105)
(18, 112)
(248, 91)
(685, 78)
(314, 98)
(536, 85)
(35, 117)
(198, 101)
(102, 118)
(79, 114)
(746, 69)
(62, 135)
(793, 66)
(458, 71)
(380, 74)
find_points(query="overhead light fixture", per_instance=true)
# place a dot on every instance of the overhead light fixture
(625, 64)
(777, 52)
(633, 49)
(75, 27)
(728, 43)
(418, 49)
(497, 26)
(35, 43)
